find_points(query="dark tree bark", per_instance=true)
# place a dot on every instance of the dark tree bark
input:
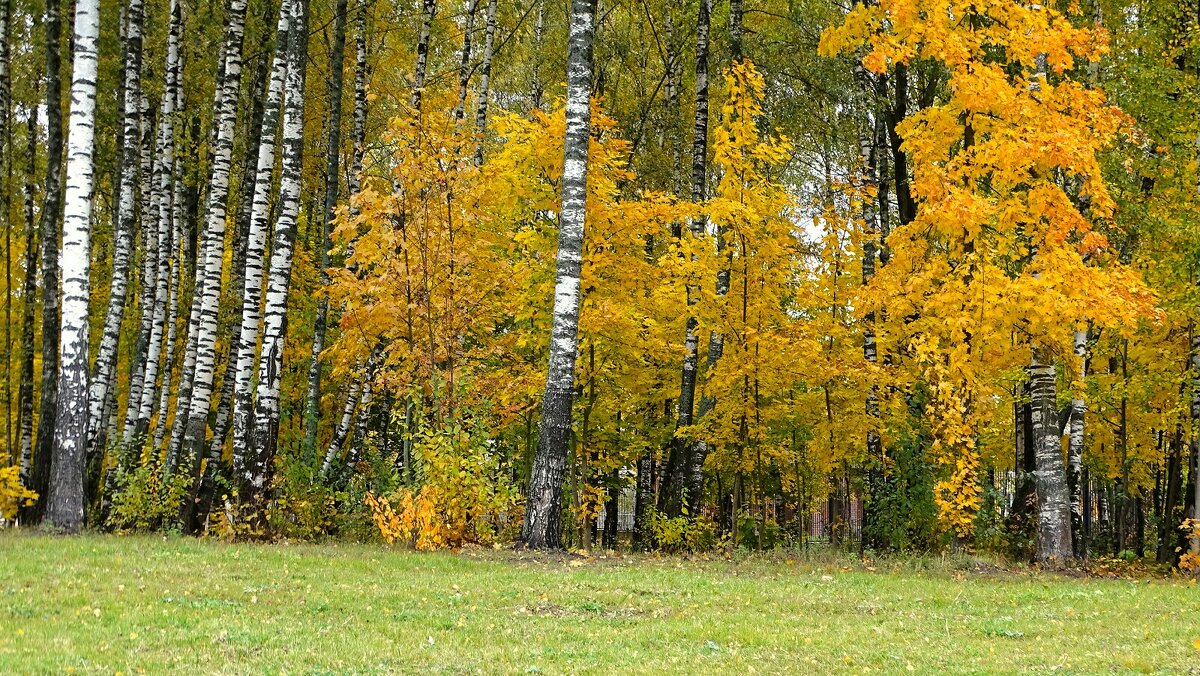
(337, 57)
(50, 215)
(544, 508)
(676, 474)
(28, 305)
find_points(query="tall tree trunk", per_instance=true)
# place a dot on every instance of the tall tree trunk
(164, 261)
(208, 276)
(333, 148)
(485, 76)
(543, 513)
(6, 171)
(64, 508)
(28, 304)
(677, 469)
(264, 436)
(104, 375)
(1194, 469)
(176, 281)
(51, 213)
(1054, 514)
(252, 284)
(1075, 451)
(536, 86)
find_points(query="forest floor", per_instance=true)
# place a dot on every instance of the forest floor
(106, 604)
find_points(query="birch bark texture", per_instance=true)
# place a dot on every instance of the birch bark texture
(270, 364)
(208, 275)
(1054, 515)
(251, 315)
(544, 508)
(64, 508)
(104, 374)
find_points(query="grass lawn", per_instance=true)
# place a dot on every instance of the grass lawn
(125, 604)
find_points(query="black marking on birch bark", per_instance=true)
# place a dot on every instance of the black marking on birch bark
(544, 506)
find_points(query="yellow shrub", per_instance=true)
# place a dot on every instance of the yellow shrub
(12, 494)
(463, 497)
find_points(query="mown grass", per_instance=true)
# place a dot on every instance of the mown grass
(101, 604)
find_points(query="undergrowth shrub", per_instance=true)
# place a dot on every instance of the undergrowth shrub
(462, 494)
(145, 501)
(682, 534)
(13, 495)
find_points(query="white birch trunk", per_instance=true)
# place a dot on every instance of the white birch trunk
(544, 510)
(270, 365)
(208, 276)
(65, 504)
(1054, 513)
(251, 317)
(485, 76)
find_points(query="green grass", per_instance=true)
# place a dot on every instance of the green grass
(107, 604)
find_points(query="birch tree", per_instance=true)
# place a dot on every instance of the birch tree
(270, 364)
(64, 507)
(544, 511)
(104, 373)
(485, 76)
(208, 274)
(251, 317)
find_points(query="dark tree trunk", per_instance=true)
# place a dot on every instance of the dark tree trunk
(51, 212)
(337, 56)
(679, 458)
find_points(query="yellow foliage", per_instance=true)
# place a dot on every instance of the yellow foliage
(13, 495)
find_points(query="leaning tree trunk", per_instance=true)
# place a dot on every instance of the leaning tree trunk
(342, 430)
(64, 508)
(252, 282)
(485, 76)
(208, 277)
(543, 513)
(104, 375)
(679, 459)
(1054, 514)
(264, 434)
(51, 212)
(337, 56)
